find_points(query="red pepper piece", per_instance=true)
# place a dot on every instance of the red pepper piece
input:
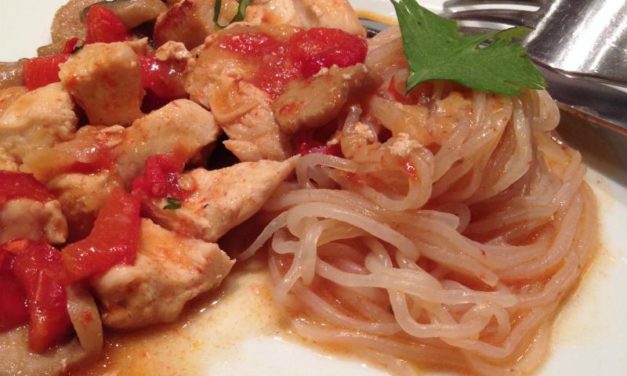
(160, 178)
(103, 26)
(13, 308)
(163, 78)
(319, 48)
(15, 185)
(70, 45)
(41, 71)
(39, 270)
(113, 239)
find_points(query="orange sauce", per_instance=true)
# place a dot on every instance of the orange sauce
(211, 327)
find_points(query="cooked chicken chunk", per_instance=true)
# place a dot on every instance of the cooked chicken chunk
(220, 81)
(181, 127)
(30, 219)
(37, 119)
(173, 51)
(256, 135)
(16, 359)
(9, 95)
(7, 163)
(313, 102)
(169, 271)
(81, 196)
(336, 14)
(222, 199)
(105, 80)
(88, 151)
(188, 21)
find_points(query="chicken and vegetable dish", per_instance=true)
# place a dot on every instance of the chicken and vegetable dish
(411, 206)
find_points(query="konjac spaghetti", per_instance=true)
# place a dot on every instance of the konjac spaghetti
(452, 250)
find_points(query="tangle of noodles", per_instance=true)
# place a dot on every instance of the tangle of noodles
(451, 248)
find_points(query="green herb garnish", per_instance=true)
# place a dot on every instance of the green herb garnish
(437, 50)
(172, 204)
(241, 13)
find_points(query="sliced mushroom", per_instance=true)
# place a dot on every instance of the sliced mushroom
(313, 102)
(68, 21)
(11, 74)
(135, 12)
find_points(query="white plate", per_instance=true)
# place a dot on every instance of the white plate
(240, 335)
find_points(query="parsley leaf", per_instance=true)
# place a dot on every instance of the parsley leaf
(239, 16)
(436, 50)
(172, 204)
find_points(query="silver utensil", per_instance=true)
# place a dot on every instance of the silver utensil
(578, 44)
(586, 38)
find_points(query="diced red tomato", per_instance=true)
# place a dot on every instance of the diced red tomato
(163, 78)
(113, 239)
(306, 143)
(6, 261)
(41, 71)
(275, 73)
(275, 68)
(303, 55)
(160, 178)
(13, 308)
(40, 272)
(319, 48)
(15, 185)
(102, 25)
(250, 44)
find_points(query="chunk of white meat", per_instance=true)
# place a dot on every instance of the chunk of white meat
(89, 147)
(181, 127)
(30, 219)
(9, 95)
(16, 359)
(222, 199)
(174, 51)
(37, 119)
(337, 14)
(314, 102)
(81, 196)
(256, 134)
(220, 81)
(7, 163)
(188, 22)
(170, 270)
(105, 80)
